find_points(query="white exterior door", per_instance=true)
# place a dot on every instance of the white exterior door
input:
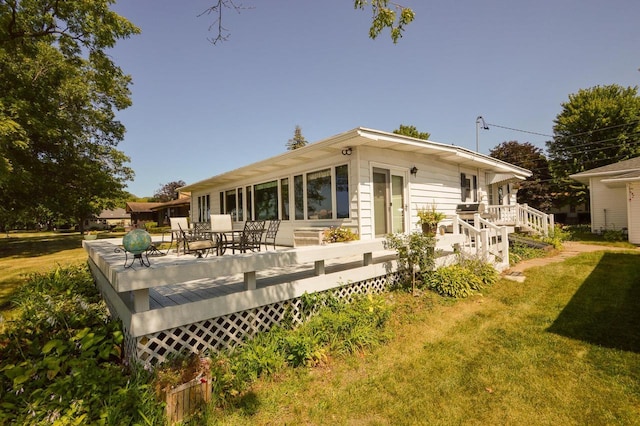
(388, 202)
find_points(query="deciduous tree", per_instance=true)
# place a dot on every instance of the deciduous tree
(596, 127)
(536, 190)
(168, 191)
(411, 131)
(58, 95)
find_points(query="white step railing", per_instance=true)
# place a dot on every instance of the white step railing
(521, 215)
(486, 240)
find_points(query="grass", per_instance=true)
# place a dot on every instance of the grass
(25, 253)
(22, 254)
(562, 348)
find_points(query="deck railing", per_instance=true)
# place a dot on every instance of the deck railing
(521, 215)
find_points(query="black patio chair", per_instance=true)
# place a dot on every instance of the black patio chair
(250, 238)
(270, 233)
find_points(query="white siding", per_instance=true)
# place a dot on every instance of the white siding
(633, 195)
(437, 182)
(608, 206)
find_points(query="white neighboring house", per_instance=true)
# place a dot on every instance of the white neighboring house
(368, 180)
(614, 197)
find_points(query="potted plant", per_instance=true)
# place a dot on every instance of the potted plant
(428, 218)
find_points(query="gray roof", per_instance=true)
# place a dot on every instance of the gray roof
(623, 170)
(117, 213)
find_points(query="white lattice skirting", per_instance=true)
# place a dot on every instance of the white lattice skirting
(231, 330)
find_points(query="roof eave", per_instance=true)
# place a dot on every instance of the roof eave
(354, 138)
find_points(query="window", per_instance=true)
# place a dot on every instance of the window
(249, 204)
(266, 200)
(319, 204)
(230, 203)
(468, 188)
(342, 192)
(203, 208)
(240, 211)
(298, 196)
(284, 196)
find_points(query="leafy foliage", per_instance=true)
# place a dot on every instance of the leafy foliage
(62, 358)
(168, 191)
(411, 131)
(383, 17)
(58, 95)
(386, 17)
(596, 127)
(536, 190)
(462, 279)
(414, 250)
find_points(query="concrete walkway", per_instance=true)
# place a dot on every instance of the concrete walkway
(569, 249)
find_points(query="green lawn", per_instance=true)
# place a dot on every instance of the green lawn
(561, 348)
(22, 254)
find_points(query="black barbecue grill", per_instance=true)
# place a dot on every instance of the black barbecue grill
(466, 211)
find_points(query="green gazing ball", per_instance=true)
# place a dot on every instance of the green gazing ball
(136, 241)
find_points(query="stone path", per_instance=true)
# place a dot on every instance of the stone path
(569, 249)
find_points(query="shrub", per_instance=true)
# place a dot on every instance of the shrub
(149, 226)
(560, 234)
(614, 235)
(415, 250)
(483, 270)
(452, 281)
(462, 279)
(61, 358)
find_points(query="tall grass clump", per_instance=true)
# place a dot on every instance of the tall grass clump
(61, 358)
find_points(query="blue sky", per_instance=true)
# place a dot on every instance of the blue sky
(200, 110)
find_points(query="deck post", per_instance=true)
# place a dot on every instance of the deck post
(250, 280)
(504, 237)
(319, 267)
(484, 245)
(140, 300)
(367, 259)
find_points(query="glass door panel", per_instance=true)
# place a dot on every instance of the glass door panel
(380, 202)
(397, 204)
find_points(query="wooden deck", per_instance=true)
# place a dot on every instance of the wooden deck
(215, 302)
